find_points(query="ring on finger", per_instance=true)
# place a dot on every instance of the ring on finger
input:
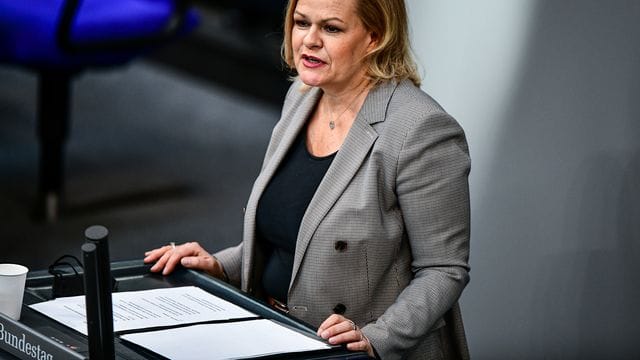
(353, 325)
(173, 245)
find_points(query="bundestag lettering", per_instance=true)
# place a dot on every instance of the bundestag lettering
(20, 343)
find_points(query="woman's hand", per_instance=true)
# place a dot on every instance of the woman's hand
(190, 255)
(337, 329)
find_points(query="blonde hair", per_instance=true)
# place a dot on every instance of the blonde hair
(387, 20)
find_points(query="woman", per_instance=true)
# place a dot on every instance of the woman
(359, 220)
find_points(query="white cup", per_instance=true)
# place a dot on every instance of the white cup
(12, 279)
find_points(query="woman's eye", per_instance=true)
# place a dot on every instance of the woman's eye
(331, 29)
(301, 23)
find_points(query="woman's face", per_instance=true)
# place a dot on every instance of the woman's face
(329, 43)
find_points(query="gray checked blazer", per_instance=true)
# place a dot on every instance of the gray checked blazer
(385, 239)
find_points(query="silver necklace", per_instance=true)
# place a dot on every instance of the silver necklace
(332, 123)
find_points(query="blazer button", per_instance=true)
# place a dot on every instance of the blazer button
(339, 309)
(340, 246)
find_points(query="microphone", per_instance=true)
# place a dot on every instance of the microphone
(97, 285)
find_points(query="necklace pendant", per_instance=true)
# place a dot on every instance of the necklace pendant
(332, 125)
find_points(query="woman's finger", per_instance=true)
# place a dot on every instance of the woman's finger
(161, 259)
(342, 327)
(349, 336)
(155, 254)
(166, 258)
(338, 325)
(173, 259)
(197, 262)
(329, 322)
(362, 345)
(337, 329)
(177, 253)
(354, 340)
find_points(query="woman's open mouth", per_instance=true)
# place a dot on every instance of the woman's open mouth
(311, 61)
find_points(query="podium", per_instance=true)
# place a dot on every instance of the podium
(36, 336)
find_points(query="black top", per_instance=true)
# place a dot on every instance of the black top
(280, 211)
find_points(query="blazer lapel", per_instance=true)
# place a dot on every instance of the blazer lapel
(296, 119)
(348, 160)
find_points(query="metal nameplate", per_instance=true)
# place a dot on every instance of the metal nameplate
(24, 342)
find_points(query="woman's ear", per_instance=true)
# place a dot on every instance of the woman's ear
(373, 41)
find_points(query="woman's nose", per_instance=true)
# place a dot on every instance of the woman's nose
(312, 39)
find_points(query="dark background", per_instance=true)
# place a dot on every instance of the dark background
(163, 149)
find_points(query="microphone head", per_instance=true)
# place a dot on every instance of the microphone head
(96, 233)
(88, 248)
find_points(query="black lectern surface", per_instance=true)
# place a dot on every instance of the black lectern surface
(36, 336)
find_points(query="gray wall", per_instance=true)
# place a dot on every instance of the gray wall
(548, 93)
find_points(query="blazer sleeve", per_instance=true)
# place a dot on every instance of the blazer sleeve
(231, 260)
(433, 195)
